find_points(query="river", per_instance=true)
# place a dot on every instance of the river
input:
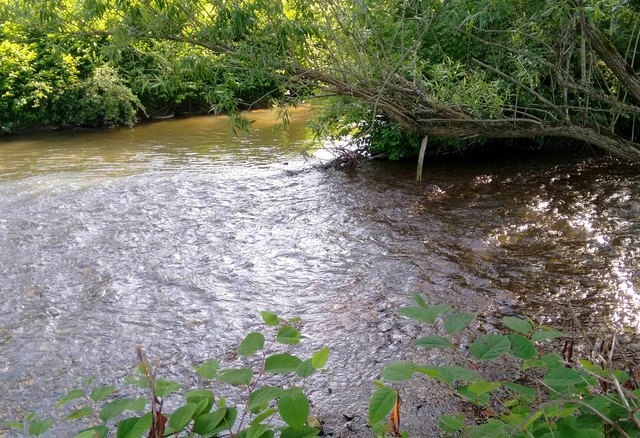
(175, 235)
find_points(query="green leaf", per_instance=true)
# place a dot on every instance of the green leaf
(419, 300)
(320, 358)
(490, 429)
(182, 416)
(208, 369)
(483, 387)
(299, 432)
(399, 371)
(71, 395)
(564, 380)
(552, 360)
(263, 396)
(288, 335)
(213, 422)
(476, 399)
(263, 416)
(489, 347)
(101, 393)
(522, 347)
(134, 427)
(451, 424)
(527, 394)
(93, 432)
(166, 387)
(282, 363)
(543, 335)
(517, 324)
(458, 321)
(433, 342)
(203, 398)
(424, 314)
(270, 318)
(38, 427)
(236, 376)
(454, 373)
(79, 413)
(117, 407)
(88, 381)
(12, 425)
(381, 403)
(293, 407)
(251, 343)
(305, 369)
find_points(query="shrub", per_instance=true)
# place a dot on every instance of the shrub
(552, 397)
(201, 413)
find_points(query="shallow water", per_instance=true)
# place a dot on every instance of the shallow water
(174, 236)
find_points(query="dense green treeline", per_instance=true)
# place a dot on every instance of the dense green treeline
(447, 72)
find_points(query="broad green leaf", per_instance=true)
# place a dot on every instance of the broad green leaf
(381, 403)
(527, 394)
(399, 371)
(117, 407)
(79, 413)
(93, 432)
(263, 396)
(255, 431)
(264, 415)
(293, 407)
(552, 360)
(235, 376)
(208, 424)
(458, 322)
(543, 335)
(299, 432)
(424, 314)
(71, 395)
(202, 398)
(517, 324)
(251, 343)
(12, 425)
(320, 358)
(124, 428)
(137, 428)
(454, 373)
(419, 300)
(38, 427)
(282, 363)
(305, 369)
(166, 387)
(490, 429)
(482, 387)
(208, 369)
(101, 393)
(288, 335)
(182, 416)
(489, 347)
(476, 399)
(270, 318)
(564, 380)
(450, 423)
(522, 347)
(433, 342)
(90, 380)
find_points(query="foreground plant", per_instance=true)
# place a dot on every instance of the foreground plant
(552, 397)
(264, 411)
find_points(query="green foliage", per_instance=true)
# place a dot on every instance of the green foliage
(198, 414)
(552, 398)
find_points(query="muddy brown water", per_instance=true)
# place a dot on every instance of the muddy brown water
(175, 235)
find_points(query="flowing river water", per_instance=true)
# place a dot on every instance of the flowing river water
(176, 234)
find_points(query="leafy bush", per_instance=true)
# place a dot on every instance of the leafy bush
(201, 413)
(552, 397)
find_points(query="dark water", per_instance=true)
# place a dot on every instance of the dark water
(175, 235)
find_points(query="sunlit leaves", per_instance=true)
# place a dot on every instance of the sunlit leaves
(398, 371)
(458, 322)
(235, 376)
(117, 407)
(270, 318)
(424, 314)
(282, 363)
(288, 335)
(71, 395)
(320, 358)
(433, 342)
(517, 324)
